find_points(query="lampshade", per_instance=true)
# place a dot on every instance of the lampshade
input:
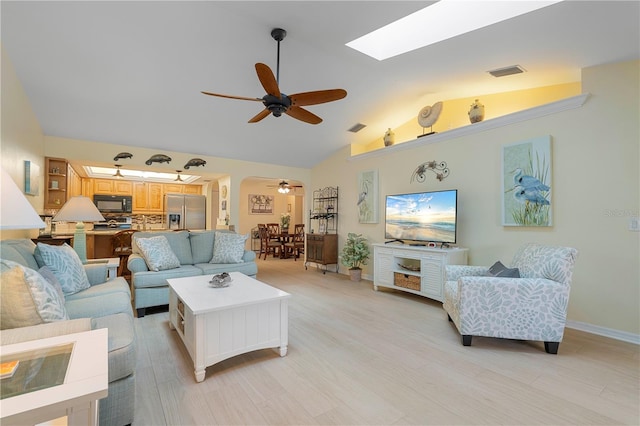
(79, 209)
(15, 210)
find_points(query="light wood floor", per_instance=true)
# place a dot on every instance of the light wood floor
(357, 356)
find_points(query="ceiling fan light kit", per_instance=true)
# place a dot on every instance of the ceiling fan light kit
(278, 103)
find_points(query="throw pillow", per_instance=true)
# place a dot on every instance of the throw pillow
(48, 275)
(228, 247)
(65, 265)
(27, 298)
(157, 253)
(499, 270)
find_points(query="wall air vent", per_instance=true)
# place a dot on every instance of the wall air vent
(502, 72)
(357, 127)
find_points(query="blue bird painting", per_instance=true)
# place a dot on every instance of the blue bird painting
(526, 196)
(528, 182)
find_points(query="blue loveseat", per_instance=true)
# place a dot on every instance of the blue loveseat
(194, 250)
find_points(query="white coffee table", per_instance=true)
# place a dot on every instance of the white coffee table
(219, 323)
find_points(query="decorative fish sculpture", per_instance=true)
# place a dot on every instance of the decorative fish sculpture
(195, 162)
(158, 158)
(122, 155)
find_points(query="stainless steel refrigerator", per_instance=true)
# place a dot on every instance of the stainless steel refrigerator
(185, 211)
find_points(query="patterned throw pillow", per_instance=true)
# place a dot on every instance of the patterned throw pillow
(157, 253)
(65, 265)
(228, 247)
(48, 275)
(27, 298)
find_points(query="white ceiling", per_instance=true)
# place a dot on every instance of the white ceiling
(131, 72)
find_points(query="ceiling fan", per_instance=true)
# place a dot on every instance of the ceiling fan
(284, 187)
(276, 102)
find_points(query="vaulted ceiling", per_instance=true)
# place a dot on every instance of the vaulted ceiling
(131, 72)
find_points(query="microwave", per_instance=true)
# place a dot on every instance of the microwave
(113, 203)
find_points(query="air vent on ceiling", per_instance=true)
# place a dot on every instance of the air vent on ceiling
(357, 127)
(510, 70)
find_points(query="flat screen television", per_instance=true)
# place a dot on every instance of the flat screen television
(422, 217)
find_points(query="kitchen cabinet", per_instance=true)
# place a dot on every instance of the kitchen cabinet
(172, 188)
(147, 197)
(112, 187)
(74, 182)
(176, 188)
(192, 189)
(55, 181)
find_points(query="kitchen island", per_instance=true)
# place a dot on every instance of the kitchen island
(98, 241)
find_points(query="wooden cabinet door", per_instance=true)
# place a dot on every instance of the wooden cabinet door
(74, 182)
(155, 197)
(172, 188)
(87, 187)
(122, 187)
(103, 186)
(192, 189)
(139, 196)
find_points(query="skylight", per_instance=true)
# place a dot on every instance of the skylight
(109, 173)
(440, 21)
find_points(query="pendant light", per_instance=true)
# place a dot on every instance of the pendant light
(118, 175)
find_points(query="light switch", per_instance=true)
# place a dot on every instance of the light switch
(634, 223)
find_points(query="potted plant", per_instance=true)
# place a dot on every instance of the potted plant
(355, 253)
(285, 219)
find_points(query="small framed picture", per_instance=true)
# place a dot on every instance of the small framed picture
(322, 227)
(223, 205)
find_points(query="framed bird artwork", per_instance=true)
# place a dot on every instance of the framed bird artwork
(526, 183)
(367, 203)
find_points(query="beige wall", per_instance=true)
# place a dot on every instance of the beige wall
(596, 180)
(21, 139)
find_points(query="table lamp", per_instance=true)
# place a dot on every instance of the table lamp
(79, 209)
(15, 211)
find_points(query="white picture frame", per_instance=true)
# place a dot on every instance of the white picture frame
(527, 183)
(367, 202)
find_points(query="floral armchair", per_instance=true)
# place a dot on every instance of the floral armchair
(532, 307)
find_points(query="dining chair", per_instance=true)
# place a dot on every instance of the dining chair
(296, 246)
(274, 231)
(267, 244)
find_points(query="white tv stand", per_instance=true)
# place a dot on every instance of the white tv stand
(424, 268)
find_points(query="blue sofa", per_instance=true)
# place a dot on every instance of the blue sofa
(194, 250)
(106, 304)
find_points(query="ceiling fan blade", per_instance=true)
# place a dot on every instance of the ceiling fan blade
(268, 81)
(303, 115)
(317, 97)
(262, 114)
(232, 97)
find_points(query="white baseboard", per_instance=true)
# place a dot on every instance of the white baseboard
(604, 331)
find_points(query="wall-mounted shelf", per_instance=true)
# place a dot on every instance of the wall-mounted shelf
(493, 123)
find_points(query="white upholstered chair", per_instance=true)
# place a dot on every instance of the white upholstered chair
(532, 307)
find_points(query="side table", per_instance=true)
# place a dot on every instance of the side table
(112, 265)
(86, 380)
